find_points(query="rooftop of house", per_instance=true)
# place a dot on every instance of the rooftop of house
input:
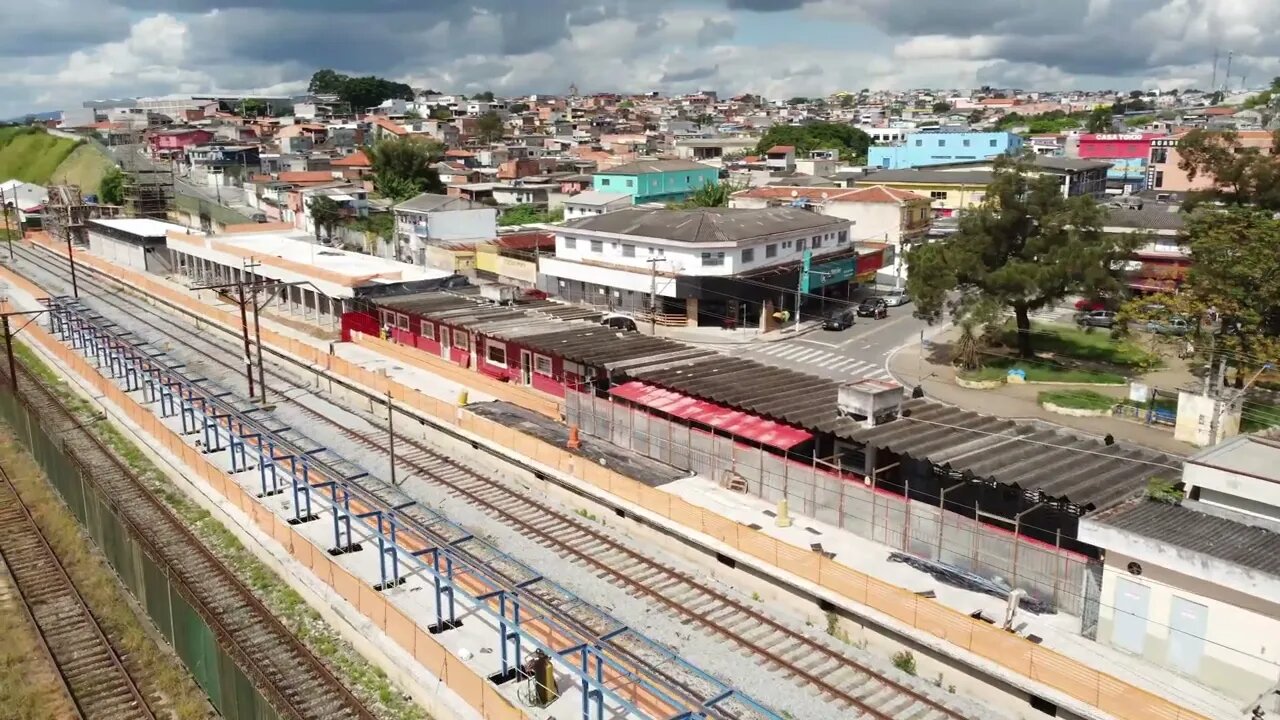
(355, 159)
(927, 176)
(594, 197)
(780, 150)
(1151, 216)
(305, 176)
(705, 225)
(645, 167)
(431, 202)
(874, 193)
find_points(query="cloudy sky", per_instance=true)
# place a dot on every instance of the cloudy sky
(71, 50)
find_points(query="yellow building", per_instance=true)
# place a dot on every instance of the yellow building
(949, 190)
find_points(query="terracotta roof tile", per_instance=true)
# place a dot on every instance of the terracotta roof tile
(355, 159)
(311, 176)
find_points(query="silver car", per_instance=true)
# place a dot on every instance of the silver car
(896, 298)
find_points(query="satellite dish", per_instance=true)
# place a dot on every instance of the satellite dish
(794, 193)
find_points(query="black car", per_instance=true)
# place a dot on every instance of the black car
(873, 308)
(838, 320)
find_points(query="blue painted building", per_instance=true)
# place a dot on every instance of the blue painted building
(655, 180)
(923, 149)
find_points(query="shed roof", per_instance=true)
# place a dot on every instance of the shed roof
(705, 225)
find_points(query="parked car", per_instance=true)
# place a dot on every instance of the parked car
(839, 320)
(896, 298)
(873, 308)
(1173, 326)
(619, 322)
(1098, 318)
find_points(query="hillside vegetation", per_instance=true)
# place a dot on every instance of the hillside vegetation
(85, 167)
(31, 154)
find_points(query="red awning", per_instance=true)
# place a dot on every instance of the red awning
(744, 425)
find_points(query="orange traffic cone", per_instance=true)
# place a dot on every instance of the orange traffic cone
(573, 443)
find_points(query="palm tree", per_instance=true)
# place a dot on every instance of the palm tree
(326, 213)
(712, 194)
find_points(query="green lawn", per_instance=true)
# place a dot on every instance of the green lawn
(1078, 344)
(31, 154)
(1042, 371)
(1077, 399)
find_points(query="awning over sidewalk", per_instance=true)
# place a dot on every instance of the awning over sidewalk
(744, 425)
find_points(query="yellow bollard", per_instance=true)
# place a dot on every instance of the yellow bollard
(462, 398)
(784, 516)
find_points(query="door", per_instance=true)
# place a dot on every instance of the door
(1130, 631)
(526, 367)
(446, 334)
(1188, 623)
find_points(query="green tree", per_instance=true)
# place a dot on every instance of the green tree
(529, 215)
(1241, 175)
(798, 101)
(1235, 270)
(253, 108)
(1023, 249)
(412, 115)
(489, 127)
(358, 92)
(852, 142)
(326, 82)
(111, 190)
(846, 101)
(1099, 120)
(941, 107)
(441, 113)
(326, 214)
(377, 226)
(710, 195)
(402, 167)
(517, 108)
(486, 96)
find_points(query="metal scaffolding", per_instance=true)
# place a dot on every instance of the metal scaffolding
(65, 214)
(609, 659)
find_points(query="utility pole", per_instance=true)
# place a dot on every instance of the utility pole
(1226, 79)
(391, 436)
(4, 207)
(249, 266)
(653, 294)
(71, 258)
(244, 332)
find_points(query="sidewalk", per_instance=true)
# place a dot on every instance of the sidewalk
(710, 335)
(1018, 402)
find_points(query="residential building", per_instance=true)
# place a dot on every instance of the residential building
(1165, 174)
(355, 167)
(352, 200)
(1160, 265)
(780, 158)
(594, 203)
(175, 141)
(523, 192)
(440, 219)
(876, 213)
(708, 266)
(655, 180)
(512, 258)
(820, 163)
(961, 185)
(1194, 586)
(924, 149)
(712, 149)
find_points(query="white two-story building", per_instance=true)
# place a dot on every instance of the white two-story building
(707, 266)
(430, 219)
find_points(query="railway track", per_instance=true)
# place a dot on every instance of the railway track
(809, 663)
(92, 672)
(296, 683)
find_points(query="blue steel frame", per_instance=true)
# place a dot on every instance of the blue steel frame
(595, 653)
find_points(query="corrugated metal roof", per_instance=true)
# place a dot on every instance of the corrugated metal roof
(1245, 544)
(734, 422)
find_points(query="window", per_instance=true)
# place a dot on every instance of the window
(427, 330)
(966, 142)
(604, 182)
(748, 255)
(597, 246)
(1159, 155)
(402, 322)
(938, 195)
(817, 242)
(388, 318)
(462, 340)
(571, 243)
(496, 353)
(800, 244)
(542, 365)
(1159, 179)
(771, 250)
(628, 250)
(710, 259)
(919, 143)
(842, 237)
(631, 182)
(786, 245)
(942, 143)
(994, 142)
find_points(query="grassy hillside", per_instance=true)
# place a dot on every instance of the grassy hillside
(31, 154)
(85, 166)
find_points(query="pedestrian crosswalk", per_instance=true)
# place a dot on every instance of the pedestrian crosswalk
(806, 358)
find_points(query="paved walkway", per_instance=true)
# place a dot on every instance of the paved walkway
(1019, 401)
